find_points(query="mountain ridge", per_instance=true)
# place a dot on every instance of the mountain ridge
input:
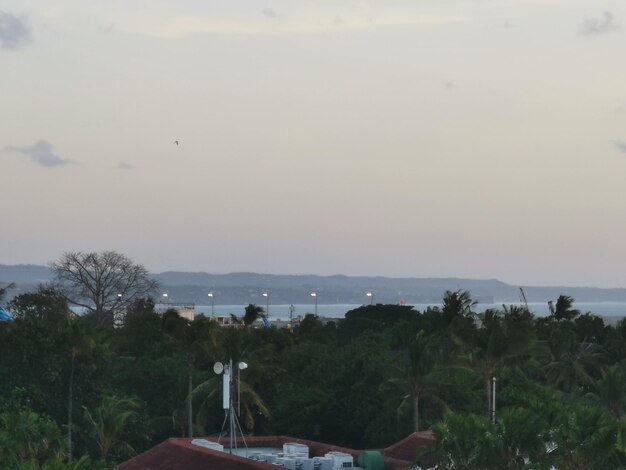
(247, 287)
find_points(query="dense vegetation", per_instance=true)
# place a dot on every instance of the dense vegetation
(75, 393)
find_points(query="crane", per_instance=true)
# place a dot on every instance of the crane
(523, 298)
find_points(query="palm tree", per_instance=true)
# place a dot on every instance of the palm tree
(26, 436)
(253, 313)
(231, 345)
(81, 343)
(501, 338)
(457, 318)
(570, 362)
(563, 309)
(420, 374)
(5, 289)
(199, 341)
(194, 340)
(467, 442)
(523, 439)
(587, 439)
(610, 389)
(107, 423)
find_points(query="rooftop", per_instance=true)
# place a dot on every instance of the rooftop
(180, 453)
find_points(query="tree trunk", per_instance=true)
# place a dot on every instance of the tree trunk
(416, 411)
(189, 404)
(488, 390)
(70, 410)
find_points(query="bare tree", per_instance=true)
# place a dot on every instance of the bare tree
(101, 282)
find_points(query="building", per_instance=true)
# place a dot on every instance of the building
(272, 452)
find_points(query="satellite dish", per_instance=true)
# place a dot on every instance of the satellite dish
(218, 368)
(243, 365)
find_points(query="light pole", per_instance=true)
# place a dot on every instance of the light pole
(266, 294)
(212, 297)
(314, 294)
(371, 296)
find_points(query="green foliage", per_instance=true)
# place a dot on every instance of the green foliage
(105, 425)
(373, 318)
(252, 314)
(26, 437)
(47, 303)
(364, 382)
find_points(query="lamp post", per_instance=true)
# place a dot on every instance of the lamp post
(314, 295)
(266, 294)
(371, 296)
(212, 297)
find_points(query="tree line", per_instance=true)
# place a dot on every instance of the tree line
(85, 391)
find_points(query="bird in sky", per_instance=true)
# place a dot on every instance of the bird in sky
(176, 142)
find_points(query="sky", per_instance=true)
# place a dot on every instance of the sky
(412, 138)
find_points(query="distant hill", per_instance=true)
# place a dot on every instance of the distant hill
(241, 288)
(24, 274)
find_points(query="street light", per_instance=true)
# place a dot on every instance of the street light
(371, 296)
(212, 303)
(266, 294)
(166, 298)
(314, 294)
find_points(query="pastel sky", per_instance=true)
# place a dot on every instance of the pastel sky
(414, 138)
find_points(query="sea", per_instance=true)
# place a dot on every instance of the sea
(609, 310)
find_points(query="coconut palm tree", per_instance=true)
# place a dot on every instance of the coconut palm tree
(420, 374)
(81, 342)
(231, 344)
(26, 436)
(104, 425)
(610, 389)
(5, 289)
(457, 323)
(586, 439)
(570, 362)
(563, 308)
(195, 340)
(198, 341)
(467, 442)
(502, 337)
(252, 314)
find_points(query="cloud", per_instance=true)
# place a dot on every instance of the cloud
(124, 166)
(41, 153)
(269, 13)
(620, 145)
(106, 29)
(14, 32)
(604, 24)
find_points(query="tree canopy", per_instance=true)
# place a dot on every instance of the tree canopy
(77, 394)
(100, 282)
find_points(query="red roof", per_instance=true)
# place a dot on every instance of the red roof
(407, 448)
(179, 453)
